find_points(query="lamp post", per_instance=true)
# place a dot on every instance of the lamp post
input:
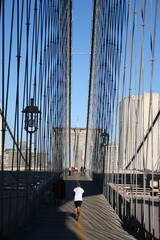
(104, 139)
(104, 142)
(31, 123)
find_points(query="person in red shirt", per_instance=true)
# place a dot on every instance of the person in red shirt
(72, 171)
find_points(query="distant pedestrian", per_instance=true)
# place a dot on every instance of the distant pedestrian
(57, 191)
(84, 171)
(72, 170)
(81, 170)
(78, 194)
(66, 171)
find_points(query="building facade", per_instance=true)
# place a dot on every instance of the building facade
(139, 137)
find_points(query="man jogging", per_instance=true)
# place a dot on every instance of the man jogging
(78, 193)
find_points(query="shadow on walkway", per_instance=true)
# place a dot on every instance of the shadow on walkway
(49, 223)
(98, 219)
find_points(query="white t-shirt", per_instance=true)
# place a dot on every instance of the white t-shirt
(78, 193)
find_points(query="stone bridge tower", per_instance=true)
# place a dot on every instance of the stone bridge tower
(78, 138)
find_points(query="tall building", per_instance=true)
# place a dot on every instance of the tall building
(139, 147)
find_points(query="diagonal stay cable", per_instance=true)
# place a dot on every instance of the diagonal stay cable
(12, 136)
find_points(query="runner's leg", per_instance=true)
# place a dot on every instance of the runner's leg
(78, 211)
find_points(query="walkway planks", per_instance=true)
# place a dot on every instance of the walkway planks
(97, 221)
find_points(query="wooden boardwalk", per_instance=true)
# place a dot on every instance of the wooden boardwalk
(97, 221)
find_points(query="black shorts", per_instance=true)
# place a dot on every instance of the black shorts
(78, 203)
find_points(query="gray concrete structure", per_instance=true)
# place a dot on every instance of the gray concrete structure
(111, 157)
(136, 117)
(78, 138)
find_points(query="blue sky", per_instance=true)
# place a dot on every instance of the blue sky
(81, 47)
(81, 43)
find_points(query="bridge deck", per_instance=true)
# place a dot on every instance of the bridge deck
(97, 219)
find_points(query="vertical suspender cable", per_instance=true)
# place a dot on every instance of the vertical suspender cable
(151, 103)
(118, 63)
(90, 83)
(124, 108)
(70, 55)
(8, 78)
(150, 113)
(17, 106)
(143, 11)
(3, 122)
(136, 111)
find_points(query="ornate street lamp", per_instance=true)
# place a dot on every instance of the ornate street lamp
(31, 118)
(104, 137)
(31, 123)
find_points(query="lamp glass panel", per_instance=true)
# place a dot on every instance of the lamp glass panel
(30, 122)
